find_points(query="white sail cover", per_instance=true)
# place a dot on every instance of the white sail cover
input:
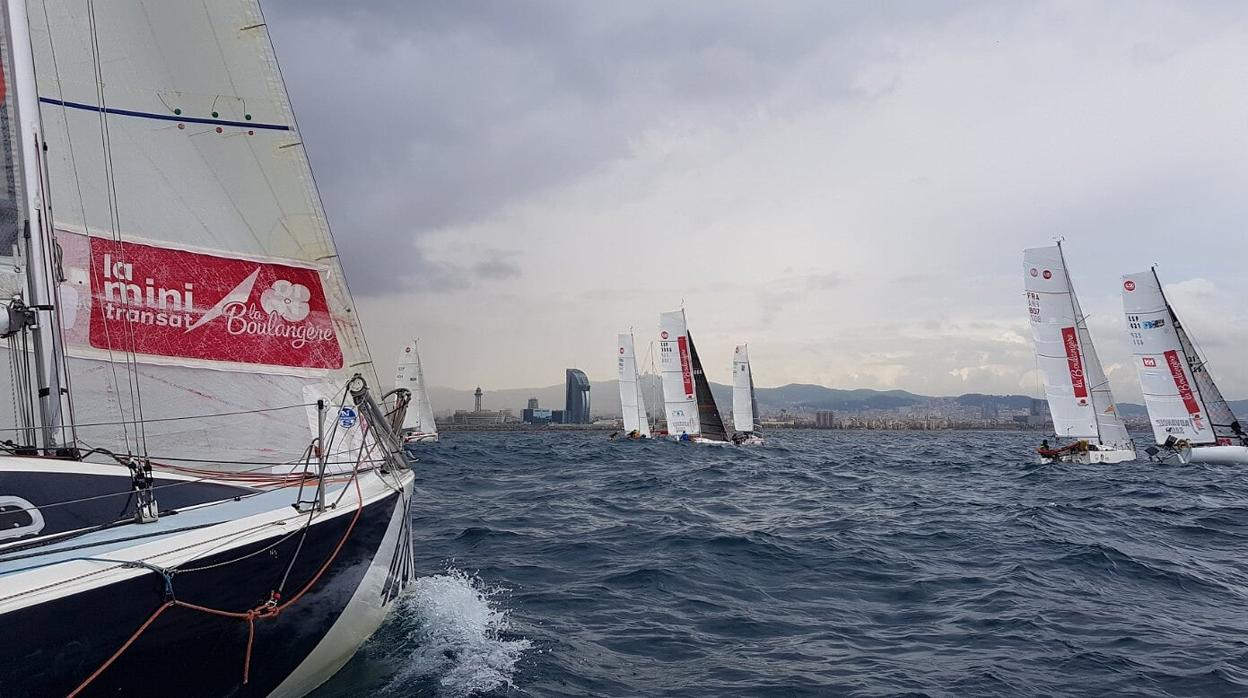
(200, 276)
(1078, 393)
(1172, 390)
(742, 390)
(679, 398)
(419, 417)
(632, 405)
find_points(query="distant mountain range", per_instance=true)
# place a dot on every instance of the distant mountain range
(795, 397)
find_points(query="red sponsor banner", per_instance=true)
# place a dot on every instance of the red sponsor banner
(153, 300)
(1070, 340)
(686, 371)
(1180, 381)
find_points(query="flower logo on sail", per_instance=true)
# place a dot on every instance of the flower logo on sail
(288, 300)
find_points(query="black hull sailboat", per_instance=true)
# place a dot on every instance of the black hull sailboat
(198, 607)
(200, 494)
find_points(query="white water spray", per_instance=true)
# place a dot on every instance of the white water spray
(456, 636)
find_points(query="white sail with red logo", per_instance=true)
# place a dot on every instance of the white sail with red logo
(676, 363)
(1078, 392)
(199, 276)
(632, 405)
(418, 422)
(1182, 399)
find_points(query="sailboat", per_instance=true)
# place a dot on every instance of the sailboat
(744, 403)
(419, 425)
(1191, 420)
(1075, 384)
(687, 400)
(202, 492)
(632, 404)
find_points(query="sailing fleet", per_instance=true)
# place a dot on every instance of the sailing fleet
(688, 404)
(1191, 421)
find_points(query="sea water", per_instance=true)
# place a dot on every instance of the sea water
(825, 563)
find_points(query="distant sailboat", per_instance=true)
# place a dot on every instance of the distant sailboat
(418, 424)
(744, 403)
(1190, 418)
(691, 411)
(1077, 389)
(632, 405)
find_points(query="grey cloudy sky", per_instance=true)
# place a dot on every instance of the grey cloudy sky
(846, 186)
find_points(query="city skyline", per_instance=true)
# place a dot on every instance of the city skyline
(846, 188)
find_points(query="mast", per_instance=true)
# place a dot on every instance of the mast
(37, 231)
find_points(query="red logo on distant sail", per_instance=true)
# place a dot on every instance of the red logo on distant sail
(1129, 285)
(621, 350)
(1078, 381)
(153, 300)
(1048, 274)
(663, 334)
(1180, 382)
(1150, 362)
(686, 371)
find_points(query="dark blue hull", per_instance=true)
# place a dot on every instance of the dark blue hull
(49, 649)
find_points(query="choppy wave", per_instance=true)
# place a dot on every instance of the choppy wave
(831, 563)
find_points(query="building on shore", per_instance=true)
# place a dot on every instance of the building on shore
(534, 415)
(480, 416)
(576, 406)
(825, 419)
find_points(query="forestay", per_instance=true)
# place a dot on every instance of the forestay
(411, 375)
(199, 273)
(1181, 397)
(675, 360)
(1075, 385)
(744, 407)
(632, 405)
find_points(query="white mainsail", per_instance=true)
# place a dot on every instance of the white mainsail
(199, 273)
(1181, 397)
(632, 405)
(1075, 384)
(419, 417)
(743, 403)
(679, 397)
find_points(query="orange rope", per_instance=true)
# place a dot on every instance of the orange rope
(151, 619)
(265, 610)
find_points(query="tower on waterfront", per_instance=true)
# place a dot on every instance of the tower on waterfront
(576, 405)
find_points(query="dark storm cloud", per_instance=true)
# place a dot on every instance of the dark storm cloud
(427, 115)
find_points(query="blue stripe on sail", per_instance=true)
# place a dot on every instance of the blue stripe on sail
(162, 117)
